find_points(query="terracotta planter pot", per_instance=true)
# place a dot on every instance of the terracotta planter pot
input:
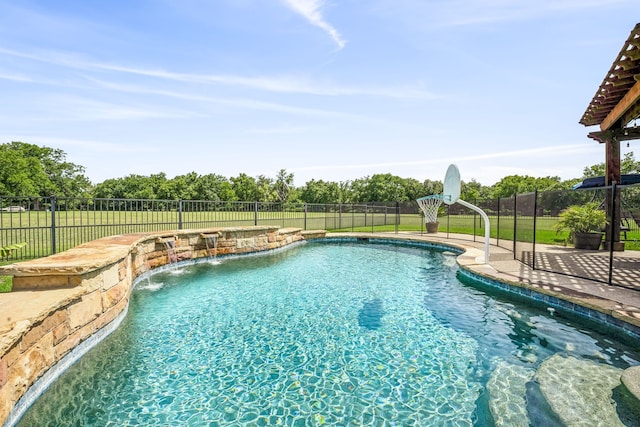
(432, 227)
(587, 240)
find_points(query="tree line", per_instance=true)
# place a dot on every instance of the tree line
(30, 170)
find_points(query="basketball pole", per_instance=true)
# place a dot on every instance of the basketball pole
(485, 218)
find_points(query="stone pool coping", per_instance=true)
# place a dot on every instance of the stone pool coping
(60, 301)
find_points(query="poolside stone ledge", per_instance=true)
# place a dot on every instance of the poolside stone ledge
(60, 301)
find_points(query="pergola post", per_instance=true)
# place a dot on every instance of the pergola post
(612, 174)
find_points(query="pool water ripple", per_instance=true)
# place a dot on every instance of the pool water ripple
(347, 334)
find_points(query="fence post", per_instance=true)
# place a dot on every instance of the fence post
(535, 220)
(53, 224)
(340, 216)
(282, 208)
(179, 214)
(255, 213)
(305, 216)
(515, 228)
(498, 225)
(366, 208)
(397, 216)
(614, 190)
(326, 217)
(373, 221)
(353, 218)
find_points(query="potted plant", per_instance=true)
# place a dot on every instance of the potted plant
(432, 227)
(585, 224)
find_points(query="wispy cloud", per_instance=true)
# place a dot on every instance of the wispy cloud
(279, 84)
(14, 77)
(231, 102)
(283, 84)
(55, 107)
(312, 11)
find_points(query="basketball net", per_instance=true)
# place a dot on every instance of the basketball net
(429, 206)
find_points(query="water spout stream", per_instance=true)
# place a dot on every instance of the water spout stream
(211, 241)
(170, 245)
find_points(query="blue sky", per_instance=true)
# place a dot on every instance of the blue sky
(332, 90)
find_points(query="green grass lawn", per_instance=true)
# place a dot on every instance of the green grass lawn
(545, 232)
(76, 227)
(5, 283)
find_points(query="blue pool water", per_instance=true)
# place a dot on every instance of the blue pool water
(321, 334)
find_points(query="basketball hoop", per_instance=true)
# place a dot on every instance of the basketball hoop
(451, 195)
(429, 206)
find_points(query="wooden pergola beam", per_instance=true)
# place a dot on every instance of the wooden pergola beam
(625, 103)
(621, 78)
(627, 134)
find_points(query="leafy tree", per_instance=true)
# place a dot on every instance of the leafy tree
(266, 192)
(18, 176)
(129, 187)
(518, 184)
(513, 184)
(245, 188)
(346, 193)
(322, 192)
(67, 178)
(432, 187)
(183, 187)
(413, 189)
(160, 185)
(283, 185)
(379, 188)
(551, 183)
(214, 187)
(628, 165)
(31, 170)
(470, 191)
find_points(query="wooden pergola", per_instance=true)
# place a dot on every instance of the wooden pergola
(614, 106)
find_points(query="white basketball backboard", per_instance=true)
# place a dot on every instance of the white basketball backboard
(451, 192)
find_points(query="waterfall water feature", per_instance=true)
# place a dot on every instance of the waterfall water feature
(170, 245)
(211, 241)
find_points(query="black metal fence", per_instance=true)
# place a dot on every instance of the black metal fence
(49, 224)
(523, 224)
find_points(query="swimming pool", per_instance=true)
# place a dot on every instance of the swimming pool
(335, 334)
